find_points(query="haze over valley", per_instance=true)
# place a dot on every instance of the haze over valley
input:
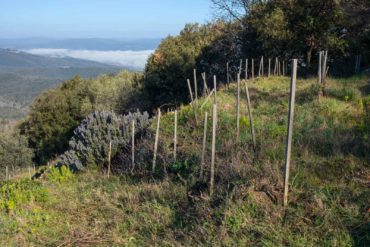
(31, 66)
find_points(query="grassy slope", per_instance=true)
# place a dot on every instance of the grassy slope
(328, 202)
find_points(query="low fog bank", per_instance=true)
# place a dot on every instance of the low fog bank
(132, 59)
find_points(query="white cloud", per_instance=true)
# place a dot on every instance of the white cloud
(135, 59)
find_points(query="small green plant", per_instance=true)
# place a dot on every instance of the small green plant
(14, 194)
(185, 167)
(60, 174)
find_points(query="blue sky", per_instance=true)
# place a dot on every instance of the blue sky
(99, 18)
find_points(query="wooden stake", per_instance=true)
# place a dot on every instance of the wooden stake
(262, 68)
(252, 69)
(195, 87)
(240, 66)
(204, 144)
(269, 69)
(175, 138)
(227, 74)
(132, 146)
(192, 102)
(207, 98)
(319, 69)
(214, 128)
(109, 157)
(290, 130)
(279, 68)
(283, 67)
(190, 90)
(323, 70)
(205, 87)
(238, 109)
(215, 89)
(156, 140)
(246, 69)
(250, 117)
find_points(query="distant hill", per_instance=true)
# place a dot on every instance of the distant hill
(23, 76)
(84, 44)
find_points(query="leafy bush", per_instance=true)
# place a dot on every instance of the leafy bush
(56, 113)
(14, 151)
(174, 61)
(90, 143)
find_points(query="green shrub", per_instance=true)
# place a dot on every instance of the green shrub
(56, 113)
(15, 194)
(174, 60)
(14, 151)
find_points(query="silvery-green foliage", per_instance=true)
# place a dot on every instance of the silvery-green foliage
(90, 143)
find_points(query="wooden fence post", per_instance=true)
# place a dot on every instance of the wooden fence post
(325, 57)
(205, 87)
(240, 66)
(192, 102)
(319, 73)
(269, 69)
(323, 71)
(204, 144)
(283, 67)
(262, 67)
(290, 130)
(156, 140)
(250, 117)
(238, 109)
(109, 156)
(252, 69)
(227, 74)
(279, 68)
(195, 86)
(132, 145)
(214, 128)
(246, 69)
(175, 138)
(215, 89)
